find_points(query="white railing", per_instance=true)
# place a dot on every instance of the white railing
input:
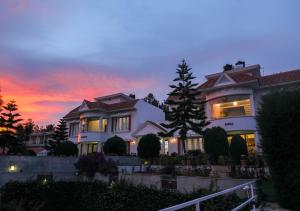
(249, 186)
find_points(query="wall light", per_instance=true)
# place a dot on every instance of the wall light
(12, 168)
(234, 103)
(173, 140)
(133, 142)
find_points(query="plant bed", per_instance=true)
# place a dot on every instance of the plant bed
(100, 196)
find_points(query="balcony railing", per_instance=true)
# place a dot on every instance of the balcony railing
(249, 186)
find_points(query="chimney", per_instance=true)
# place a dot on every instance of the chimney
(227, 67)
(132, 96)
(240, 64)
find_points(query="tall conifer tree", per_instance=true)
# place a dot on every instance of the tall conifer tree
(60, 132)
(186, 113)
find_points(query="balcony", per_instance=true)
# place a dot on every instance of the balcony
(92, 136)
(235, 123)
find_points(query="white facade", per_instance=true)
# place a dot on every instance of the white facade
(120, 115)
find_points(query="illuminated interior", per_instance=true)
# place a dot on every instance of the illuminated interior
(231, 106)
(194, 143)
(93, 125)
(103, 127)
(250, 140)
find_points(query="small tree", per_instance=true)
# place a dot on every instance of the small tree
(66, 148)
(279, 125)
(238, 147)
(115, 145)
(60, 132)
(9, 120)
(187, 113)
(215, 143)
(149, 146)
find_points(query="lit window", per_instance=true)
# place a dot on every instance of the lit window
(231, 106)
(93, 125)
(194, 144)
(103, 127)
(250, 141)
(92, 148)
(121, 124)
(74, 129)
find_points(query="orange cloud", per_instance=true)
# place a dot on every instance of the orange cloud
(46, 97)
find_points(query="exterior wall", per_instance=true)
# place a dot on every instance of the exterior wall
(143, 112)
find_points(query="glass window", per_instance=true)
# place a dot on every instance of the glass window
(194, 143)
(92, 148)
(121, 124)
(250, 141)
(103, 127)
(74, 129)
(231, 106)
(93, 125)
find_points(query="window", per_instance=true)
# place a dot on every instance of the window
(231, 106)
(194, 143)
(74, 129)
(250, 140)
(83, 125)
(103, 127)
(121, 124)
(164, 146)
(92, 148)
(93, 125)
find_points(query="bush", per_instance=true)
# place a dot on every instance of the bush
(92, 163)
(115, 145)
(149, 146)
(279, 125)
(66, 148)
(90, 196)
(238, 147)
(215, 143)
(196, 157)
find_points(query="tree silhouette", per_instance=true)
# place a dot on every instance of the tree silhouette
(186, 113)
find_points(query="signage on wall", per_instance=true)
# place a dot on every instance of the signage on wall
(228, 123)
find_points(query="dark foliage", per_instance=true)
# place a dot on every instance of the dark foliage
(150, 98)
(60, 132)
(238, 147)
(279, 125)
(215, 143)
(93, 163)
(149, 146)
(9, 121)
(66, 148)
(186, 113)
(99, 196)
(115, 146)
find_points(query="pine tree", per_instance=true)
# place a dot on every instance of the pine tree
(185, 113)
(60, 132)
(9, 123)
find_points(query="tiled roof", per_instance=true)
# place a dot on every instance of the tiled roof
(278, 78)
(237, 77)
(102, 106)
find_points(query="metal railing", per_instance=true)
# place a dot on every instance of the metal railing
(249, 186)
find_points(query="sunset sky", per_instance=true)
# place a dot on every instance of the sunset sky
(55, 53)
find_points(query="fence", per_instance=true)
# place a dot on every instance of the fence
(249, 186)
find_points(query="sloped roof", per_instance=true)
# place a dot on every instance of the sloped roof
(238, 77)
(75, 113)
(278, 78)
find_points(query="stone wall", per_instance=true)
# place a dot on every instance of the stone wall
(22, 168)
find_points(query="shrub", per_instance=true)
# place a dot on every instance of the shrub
(66, 148)
(215, 143)
(89, 196)
(238, 147)
(149, 146)
(197, 157)
(92, 163)
(115, 145)
(279, 125)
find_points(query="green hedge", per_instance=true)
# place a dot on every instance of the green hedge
(279, 126)
(99, 196)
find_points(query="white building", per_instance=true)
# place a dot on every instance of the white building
(232, 100)
(38, 141)
(233, 97)
(92, 123)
